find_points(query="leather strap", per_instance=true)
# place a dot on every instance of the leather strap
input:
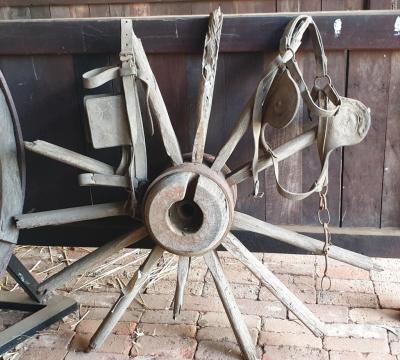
(289, 44)
(128, 72)
(324, 95)
(263, 88)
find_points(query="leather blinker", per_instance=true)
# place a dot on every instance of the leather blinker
(282, 104)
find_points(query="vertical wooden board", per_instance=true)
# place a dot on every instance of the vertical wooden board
(382, 4)
(170, 8)
(15, 13)
(60, 11)
(99, 10)
(46, 101)
(334, 5)
(390, 215)
(203, 7)
(79, 11)
(391, 179)
(40, 12)
(368, 81)
(129, 10)
(256, 6)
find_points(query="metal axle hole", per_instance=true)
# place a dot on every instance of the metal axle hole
(186, 216)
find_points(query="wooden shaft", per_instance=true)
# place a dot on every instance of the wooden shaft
(135, 284)
(183, 272)
(273, 284)
(70, 215)
(208, 72)
(232, 310)
(95, 257)
(69, 157)
(157, 105)
(248, 223)
(282, 152)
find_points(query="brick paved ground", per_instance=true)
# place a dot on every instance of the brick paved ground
(357, 300)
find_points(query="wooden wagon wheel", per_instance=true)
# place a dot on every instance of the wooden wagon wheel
(12, 173)
(189, 208)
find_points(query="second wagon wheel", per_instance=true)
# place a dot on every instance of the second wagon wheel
(12, 174)
(189, 208)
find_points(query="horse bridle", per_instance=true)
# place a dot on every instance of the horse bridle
(335, 114)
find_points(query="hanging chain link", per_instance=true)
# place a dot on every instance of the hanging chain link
(324, 219)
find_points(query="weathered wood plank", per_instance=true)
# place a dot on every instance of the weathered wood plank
(391, 190)
(48, 108)
(207, 81)
(177, 34)
(363, 164)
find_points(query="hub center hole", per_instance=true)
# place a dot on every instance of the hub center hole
(186, 216)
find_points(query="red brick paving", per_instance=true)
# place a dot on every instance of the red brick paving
(367, 303)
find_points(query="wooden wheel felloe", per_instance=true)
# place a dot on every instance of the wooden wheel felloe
(189, 209)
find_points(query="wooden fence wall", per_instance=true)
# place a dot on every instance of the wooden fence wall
(365, 183)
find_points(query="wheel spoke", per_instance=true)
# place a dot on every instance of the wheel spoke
(237, 133)
(282, 152)
(248, 223)
(88, 261)
(183, 272)
(282, 293)
(70, 215)
(69, 157)
(91, 179)
(232, 310)
(129, 293)
(6, 250)
(208, 70)
(156, 103)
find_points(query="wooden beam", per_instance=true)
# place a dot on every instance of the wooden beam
(83, 2)
(241, 33)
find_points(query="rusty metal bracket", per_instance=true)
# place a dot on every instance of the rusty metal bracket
(44, 314)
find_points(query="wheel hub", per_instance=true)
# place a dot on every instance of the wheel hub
(189, 209)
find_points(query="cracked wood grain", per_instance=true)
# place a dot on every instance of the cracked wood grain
(208, 70)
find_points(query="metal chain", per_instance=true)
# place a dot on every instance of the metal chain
(324, 219)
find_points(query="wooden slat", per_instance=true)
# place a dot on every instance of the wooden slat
(60, 11)
(363, 164)
(241, 33)
(40, 12)
(99, 10)
(79, 11)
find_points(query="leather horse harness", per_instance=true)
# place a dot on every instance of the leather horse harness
(341, 121)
